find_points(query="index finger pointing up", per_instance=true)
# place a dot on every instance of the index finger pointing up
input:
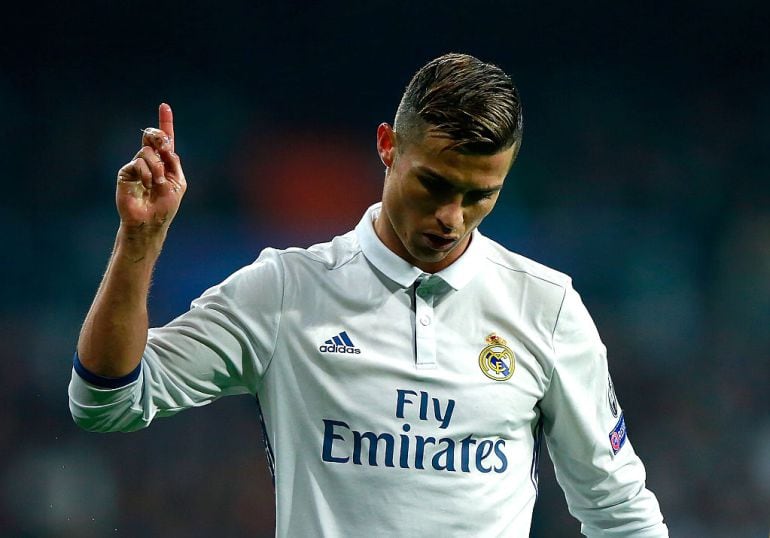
(166, 121)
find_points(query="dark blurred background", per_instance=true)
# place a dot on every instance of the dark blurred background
(643, 174)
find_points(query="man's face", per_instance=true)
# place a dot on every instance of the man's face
(432, 199)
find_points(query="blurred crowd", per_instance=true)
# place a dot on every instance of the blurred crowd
(643, 175)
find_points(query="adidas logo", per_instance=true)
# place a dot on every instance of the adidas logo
(339, 344)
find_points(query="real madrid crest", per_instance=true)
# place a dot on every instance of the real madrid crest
(497, 361)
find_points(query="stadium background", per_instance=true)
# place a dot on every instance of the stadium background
(643, 174)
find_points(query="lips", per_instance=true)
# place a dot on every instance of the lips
(439, 242)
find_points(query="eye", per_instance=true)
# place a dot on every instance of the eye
(478, 196)
(433, 185)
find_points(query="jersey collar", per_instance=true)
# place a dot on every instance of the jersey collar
(399, 270)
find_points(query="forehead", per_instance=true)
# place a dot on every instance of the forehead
(464, 170)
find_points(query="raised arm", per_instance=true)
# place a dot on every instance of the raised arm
(149, 190)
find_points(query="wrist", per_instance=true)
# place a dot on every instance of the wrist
(142, 243)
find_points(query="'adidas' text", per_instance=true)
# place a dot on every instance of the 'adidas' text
(338, 349)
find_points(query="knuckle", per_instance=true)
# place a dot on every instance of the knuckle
(155, 138)
(151, 132)
(128, 167)
(145, 154)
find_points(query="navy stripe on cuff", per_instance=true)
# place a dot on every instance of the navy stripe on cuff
(105, 382)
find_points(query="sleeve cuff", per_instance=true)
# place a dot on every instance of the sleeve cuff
(105, 382)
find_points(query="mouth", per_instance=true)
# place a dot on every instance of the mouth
(439, 242)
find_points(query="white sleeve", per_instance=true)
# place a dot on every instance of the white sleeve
(221, 346)
(602, 477)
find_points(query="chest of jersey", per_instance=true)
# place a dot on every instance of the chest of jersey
(378, 395)
(426, 362)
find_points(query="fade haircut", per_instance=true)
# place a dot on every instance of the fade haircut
(456, 96)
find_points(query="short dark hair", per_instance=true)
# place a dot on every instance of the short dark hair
(457, 96)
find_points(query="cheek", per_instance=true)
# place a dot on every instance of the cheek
(476, 214)
(409, 200)
(401, 207)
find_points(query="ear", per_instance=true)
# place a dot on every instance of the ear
(386, 144)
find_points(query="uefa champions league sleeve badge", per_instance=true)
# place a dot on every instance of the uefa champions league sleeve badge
(497, 361)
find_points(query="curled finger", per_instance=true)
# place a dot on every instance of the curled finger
(173, 167)
(154, 163)
(156, 139)
(136, 171)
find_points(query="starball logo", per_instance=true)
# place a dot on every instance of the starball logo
(343, 444)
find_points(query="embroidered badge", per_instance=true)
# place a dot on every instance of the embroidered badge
(497, 361)
(618, 435)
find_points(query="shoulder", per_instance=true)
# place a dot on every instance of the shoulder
(535, 293)
(504, 260)
(327, 256)
(273, 267)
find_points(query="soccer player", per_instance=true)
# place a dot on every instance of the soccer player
(406, 371)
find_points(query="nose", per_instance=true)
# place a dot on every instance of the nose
(450, 216)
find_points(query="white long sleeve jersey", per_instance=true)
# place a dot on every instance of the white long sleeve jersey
(397, 403)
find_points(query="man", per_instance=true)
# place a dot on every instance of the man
(407, 370)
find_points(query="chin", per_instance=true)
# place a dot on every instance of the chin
(430, 257)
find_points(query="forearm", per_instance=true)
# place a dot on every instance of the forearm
(114, 333)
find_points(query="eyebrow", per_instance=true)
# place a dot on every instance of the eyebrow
(427, 172)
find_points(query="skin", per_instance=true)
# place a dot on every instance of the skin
(149, 190)
(433, 198)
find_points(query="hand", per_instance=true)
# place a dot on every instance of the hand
(151, 186)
